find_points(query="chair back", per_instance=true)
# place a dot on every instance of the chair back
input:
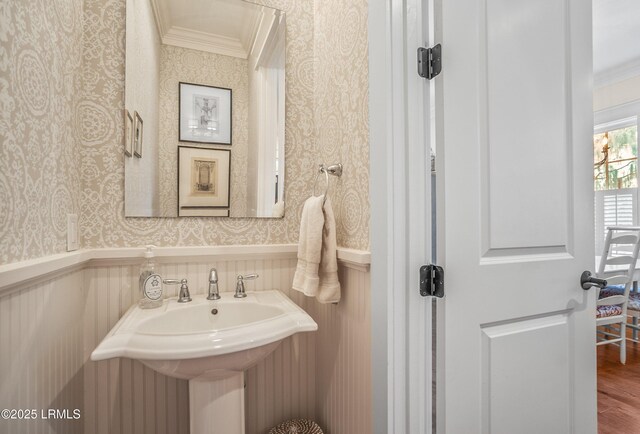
(618, 263)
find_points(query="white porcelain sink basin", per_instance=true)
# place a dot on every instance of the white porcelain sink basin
(198, 318)
(202, 339)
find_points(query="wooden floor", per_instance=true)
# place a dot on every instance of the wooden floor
(618, 390)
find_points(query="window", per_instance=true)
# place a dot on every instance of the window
(615, 176)
(615, 158)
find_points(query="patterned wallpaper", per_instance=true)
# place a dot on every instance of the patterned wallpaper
(40, 70)
(192, 66)
(341, 115)
(142, 72)
(103, 223)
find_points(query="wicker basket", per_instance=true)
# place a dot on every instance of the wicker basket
(296, 426)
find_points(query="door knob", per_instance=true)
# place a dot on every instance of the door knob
(587, 281)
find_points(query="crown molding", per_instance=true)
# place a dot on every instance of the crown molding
(249, 33)
(617, 74)
(195, 40)
(160, 16)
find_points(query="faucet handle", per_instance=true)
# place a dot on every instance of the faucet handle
(248, 276)
(184, 295)
(240, 292)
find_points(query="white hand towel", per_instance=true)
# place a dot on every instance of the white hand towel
(306, 278)
(329, 291)
(317, 270)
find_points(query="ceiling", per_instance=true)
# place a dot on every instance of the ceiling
(616, 39)
(220, 26)
(228, 27)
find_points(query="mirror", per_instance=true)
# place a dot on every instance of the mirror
(204, 109)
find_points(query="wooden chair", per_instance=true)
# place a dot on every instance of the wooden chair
(633, 307)
(617, 266)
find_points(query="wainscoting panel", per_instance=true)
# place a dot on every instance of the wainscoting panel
(124, 396)
(41, 355)
(283, 385)
(49, 328)
(343, 348)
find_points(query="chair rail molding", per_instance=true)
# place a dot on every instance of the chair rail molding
(16, 275)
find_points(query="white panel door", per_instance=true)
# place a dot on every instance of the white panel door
(516, 217)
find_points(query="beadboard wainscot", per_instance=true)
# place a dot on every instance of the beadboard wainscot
(42, 356)
(65, 304)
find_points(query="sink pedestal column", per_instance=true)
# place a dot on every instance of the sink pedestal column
(217, 407)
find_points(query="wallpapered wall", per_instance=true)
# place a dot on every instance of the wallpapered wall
(192, 66)
(42, 117)
(142, 97)
(341, 103)
(40, 83)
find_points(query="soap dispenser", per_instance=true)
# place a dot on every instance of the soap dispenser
(150, 282)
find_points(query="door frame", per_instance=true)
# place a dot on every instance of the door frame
(400, 131)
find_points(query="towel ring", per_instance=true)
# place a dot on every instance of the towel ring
(326, 176)
(334, 169)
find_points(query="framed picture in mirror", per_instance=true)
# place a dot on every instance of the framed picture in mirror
(209, 95)
(203, 181)
(137, 135)
(128, 133)
(205, 114)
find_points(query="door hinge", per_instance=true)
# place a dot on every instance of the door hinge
(431, 281)
(429, 61)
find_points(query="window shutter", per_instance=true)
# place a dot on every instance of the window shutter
(614, 208)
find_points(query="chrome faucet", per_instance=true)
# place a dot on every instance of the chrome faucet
(183, 296)
(240, 293)
(214, 294)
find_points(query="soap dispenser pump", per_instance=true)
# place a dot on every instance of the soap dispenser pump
(150, 282)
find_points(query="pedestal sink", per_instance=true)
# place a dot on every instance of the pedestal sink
(209, 343)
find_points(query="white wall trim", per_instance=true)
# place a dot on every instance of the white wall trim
(46, 267)
(616, 112)
(380, 139)
(400, 218)
(196, 40)
(617, 74)
(14, 275)
(161, 16)
(354, 257)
